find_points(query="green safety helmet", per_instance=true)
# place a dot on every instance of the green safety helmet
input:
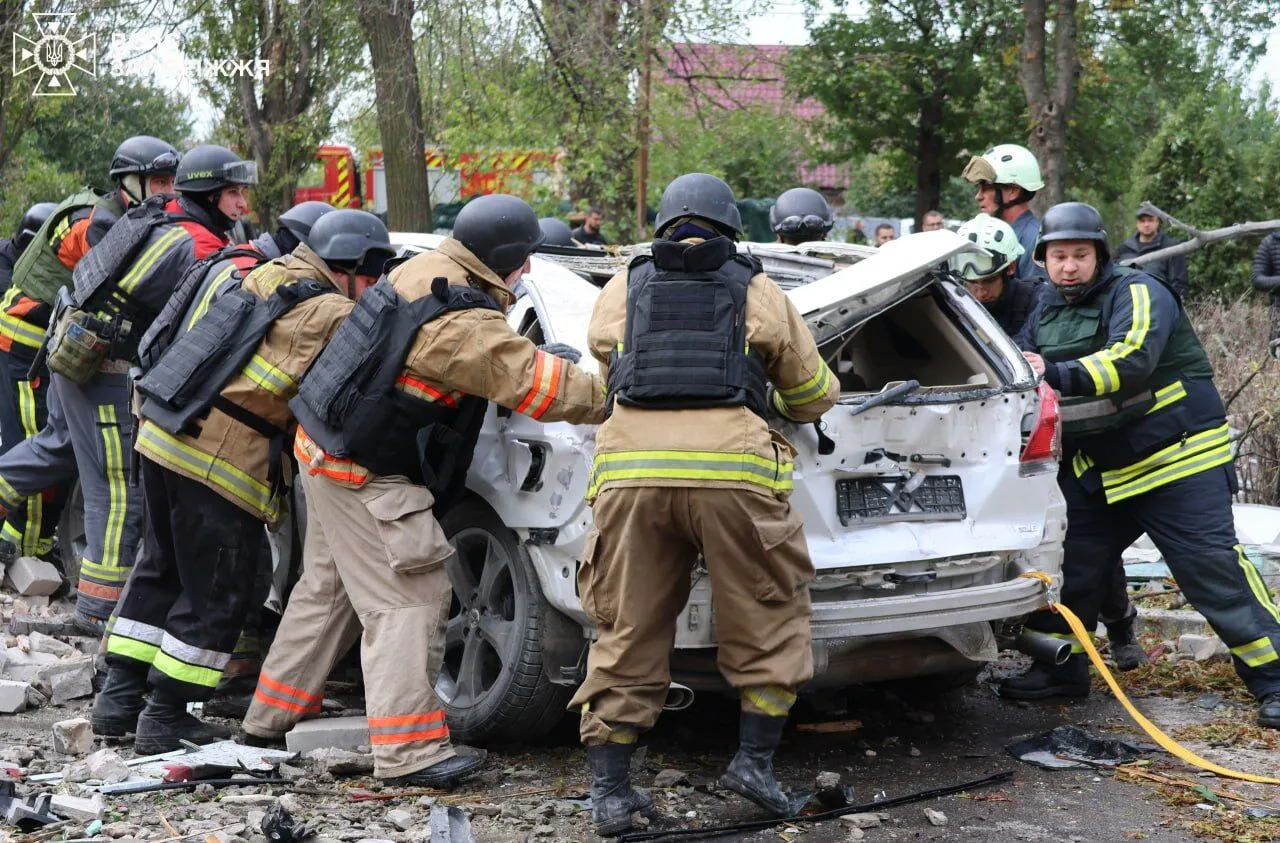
(1007, 163)
(998, 240)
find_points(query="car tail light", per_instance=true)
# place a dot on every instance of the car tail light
(1043, 443)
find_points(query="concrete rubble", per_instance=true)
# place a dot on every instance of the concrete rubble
(1203, 647)
(78, 808)
(337, 732)
(72, 737)
(32, 577)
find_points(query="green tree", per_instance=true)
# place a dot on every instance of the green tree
(906, 80)
(1213, 163)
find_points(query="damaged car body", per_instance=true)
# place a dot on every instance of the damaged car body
(927, 492)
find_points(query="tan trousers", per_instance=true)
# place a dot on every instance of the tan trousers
(635, 579)
(373, 563)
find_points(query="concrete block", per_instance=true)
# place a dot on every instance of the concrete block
(72, 737)
(32, 577)
(13, 696)
(27, 624)
(1202, 647)
(25, 667)
(341, 762)
(69, 679)
(1170, 623)
(337, 732)
(41, 643)
(76, 808)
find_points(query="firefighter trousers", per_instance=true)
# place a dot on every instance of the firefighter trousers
(635, 577)
(1190, 522)
(190, 591)
(373, 569)
(102, 426)
(38, 463)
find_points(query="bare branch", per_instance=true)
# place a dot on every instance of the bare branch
(1203, 238)
(1148, 208)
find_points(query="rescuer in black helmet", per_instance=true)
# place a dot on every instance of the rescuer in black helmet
(801, 215)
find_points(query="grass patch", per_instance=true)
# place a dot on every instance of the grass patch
(1235, 727)
(1235, 827)
(1183, 678)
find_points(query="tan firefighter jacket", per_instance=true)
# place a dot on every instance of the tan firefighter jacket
(731, 447)
(227, 455)
(471, 352)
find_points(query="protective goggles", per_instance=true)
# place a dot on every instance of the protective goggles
(165, 162)
(238, 172)
(972, 266)
(806, 224)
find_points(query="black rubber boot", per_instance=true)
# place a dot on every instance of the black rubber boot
(613, 800)
(1126, 652)
(118, 704)
(1045, 680)
(165, 722)
(750, 773)
(1269, 711)
(445, 774)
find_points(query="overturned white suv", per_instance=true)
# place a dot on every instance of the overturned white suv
(926, 492)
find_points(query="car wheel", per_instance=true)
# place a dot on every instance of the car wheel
(71, 537)
(492, 680)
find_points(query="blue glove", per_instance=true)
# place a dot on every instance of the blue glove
(560, 349)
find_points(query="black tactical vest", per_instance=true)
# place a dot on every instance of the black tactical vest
(685, 344)
(348, 401)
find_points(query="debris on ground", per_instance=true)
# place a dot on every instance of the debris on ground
(937, 819)
(72, 737)
(1203, 647)
(1070, 747)
(830, 727)
(27, 813)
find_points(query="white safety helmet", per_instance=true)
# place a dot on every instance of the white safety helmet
(998, 240)
(1007, 163)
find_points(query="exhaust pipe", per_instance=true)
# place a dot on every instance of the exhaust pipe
(1043, 648)
(679, 697)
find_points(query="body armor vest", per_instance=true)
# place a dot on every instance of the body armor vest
(38, 273)
(191, 289)
(1073, 331)
(348, 401)
(685, 344)
(95, 278)
(189, 377)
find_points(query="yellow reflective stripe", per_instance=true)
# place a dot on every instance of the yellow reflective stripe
(137, 650)
(272, 379)
(623, 733)
(160, 446)
(183, 672)
(780, 404)
(206, 297)
(113, 465)
(15, 327)
(1076, 646)
(690, 465)
(809, 391)
(9, 494)
(1194, 443)
(103, 573)
(1168, 395)
(1081, 463)
(150, 257)
(1091, 366)
(773, 700)
(1257, 586)
(1186, 467)
(1256, 653)
(29, 543)
(1101, 365)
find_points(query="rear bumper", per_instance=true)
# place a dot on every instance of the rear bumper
(925, 612)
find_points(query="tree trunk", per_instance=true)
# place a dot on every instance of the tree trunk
(928, 161)
(388, 25)
(1050, 106)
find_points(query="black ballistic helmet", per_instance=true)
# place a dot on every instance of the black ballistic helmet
(30, 224)
(555, 232)
(209, 168)
(801, 212)
(501, 230)
(1072, 221)
(300, 219)
(352, 238)
(698, 195)
(146, 156)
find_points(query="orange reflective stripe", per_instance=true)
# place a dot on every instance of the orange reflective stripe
(557, 368)
(406, 720)
(343, 470)
(408, 728)
(546, 381)
(23, 306)
(102, 592)
(426, 391)
(282, 688)
(437, 734)
(284, 705)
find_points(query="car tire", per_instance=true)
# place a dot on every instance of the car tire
(492, 680)
(71, 537)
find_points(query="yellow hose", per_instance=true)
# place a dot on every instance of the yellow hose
(1167, 743)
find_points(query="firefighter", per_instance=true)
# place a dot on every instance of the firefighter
(556, 232)
(800, 216)
(1146, 449)
(118, 291)
(375, 553)
(39, 461)
(211, 439)
(1008, 177)
(12, 249)
(686, 464)
(992, 276)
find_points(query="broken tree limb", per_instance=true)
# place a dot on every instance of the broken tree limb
(1199, 239)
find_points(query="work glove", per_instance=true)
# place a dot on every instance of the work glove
(560, 349)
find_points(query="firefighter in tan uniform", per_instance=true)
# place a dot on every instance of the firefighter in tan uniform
(388, 420)
(212, 441)
(686, 465)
